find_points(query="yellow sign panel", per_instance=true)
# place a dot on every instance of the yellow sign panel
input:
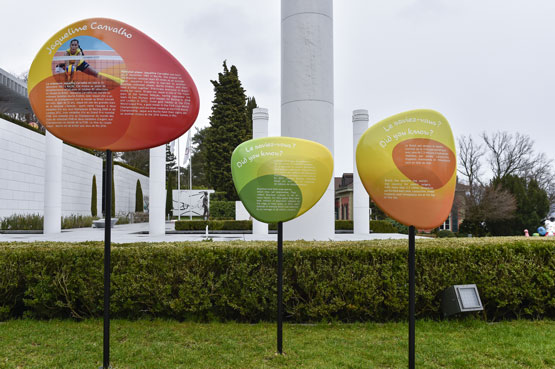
(407, 163)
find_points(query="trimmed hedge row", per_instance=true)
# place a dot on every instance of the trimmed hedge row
(377, 226)
(213, 225)
(350, 281)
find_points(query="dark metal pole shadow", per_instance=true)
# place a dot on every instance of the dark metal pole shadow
(280, 290)
(107, 252)
(411, 297)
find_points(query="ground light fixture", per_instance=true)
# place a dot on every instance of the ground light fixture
(460, 299)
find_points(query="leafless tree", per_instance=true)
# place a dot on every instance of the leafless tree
(470, 162)
(515, 155)
(509, 154)
(541, 169)
(489, 203)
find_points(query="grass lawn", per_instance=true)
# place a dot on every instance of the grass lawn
(164, 344)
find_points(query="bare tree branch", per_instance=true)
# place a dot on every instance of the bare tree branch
(490, 204)
(508, 154)
(470, 161)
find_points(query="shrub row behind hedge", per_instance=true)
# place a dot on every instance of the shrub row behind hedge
(34, 222)
(364, 281)
(213, 225)
(377, 226)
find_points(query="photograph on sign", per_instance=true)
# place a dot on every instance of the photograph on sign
(99, 64)
(103, 84)
(280, 178)
(407, 163)
(194, 203)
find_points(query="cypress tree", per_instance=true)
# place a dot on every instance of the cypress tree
(139, 208)
(198, 160)
(113, 212)
(94, 210)
(169, 205)
(228, 128)
(171, 166)
(251, 105)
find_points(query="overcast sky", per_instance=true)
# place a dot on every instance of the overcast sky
(486, 65)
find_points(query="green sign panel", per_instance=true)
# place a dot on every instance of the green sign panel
(280, 178)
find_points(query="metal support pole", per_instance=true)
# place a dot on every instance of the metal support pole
(107, 252)
(412, 297)
(190, 182)
(280, 289)
(178, 183)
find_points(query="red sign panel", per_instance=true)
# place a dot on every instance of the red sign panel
(103, 84)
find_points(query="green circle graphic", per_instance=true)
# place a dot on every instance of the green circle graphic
(272, 198)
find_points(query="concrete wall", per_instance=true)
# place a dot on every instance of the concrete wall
(125, 183)
(22, 166)
(78, 168)
(22, 156)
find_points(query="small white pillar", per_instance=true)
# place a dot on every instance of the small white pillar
(260, 119)
(307, 98)
(53, 185)
(157, 191)
(361, 200)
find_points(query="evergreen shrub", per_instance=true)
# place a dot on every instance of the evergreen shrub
(323, 281)
(222, 209)
(445, 233)
(94, 209)
(113, 210)
(217, 196)
(139, 200)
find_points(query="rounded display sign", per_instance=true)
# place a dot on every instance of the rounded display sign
(407, 163)
(102, 84)
(280, 178)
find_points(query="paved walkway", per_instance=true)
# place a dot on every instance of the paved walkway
(128, 233)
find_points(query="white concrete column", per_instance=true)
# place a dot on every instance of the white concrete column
(361, 200)
(157, 191)
(53, 185)
(307, 98)
(260, 119)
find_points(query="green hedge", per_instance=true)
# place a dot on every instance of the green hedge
(222, 209)
(213, 225)
(382, 226)
(376, 226)
(323, 281)
(344, 225)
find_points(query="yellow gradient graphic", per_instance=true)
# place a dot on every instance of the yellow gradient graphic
(407, 163)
